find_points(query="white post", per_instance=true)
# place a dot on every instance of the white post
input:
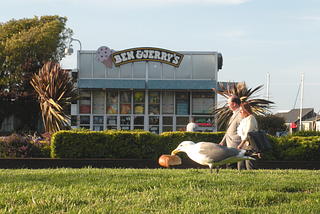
(268, 81)
(300, 126)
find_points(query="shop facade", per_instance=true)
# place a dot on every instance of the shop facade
(152, 89)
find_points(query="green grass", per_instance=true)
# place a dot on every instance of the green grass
(91, 190)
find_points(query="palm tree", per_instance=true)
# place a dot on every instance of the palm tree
(222, 111)
(55, 91)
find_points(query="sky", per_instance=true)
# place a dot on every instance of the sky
(257, 38)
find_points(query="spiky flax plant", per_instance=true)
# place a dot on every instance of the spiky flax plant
(55, 91)
(221, 111)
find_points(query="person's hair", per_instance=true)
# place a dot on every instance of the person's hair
(235, 99)
(246, 108)
(192, 120)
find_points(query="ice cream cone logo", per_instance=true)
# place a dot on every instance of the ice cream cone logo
(104, 56)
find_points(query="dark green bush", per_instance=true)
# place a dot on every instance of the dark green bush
(109, 144)
(122, 144)
(145, 145)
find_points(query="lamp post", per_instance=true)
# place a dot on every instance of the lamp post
(68, 51)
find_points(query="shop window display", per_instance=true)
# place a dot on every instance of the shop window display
(85, 102)
(154, 103)
(98, 102)
(125, 102)
(139, 99)
(112, 122)
(112, 102)
(125, 122)
(167, 102)
(182, 103)
(202, 102)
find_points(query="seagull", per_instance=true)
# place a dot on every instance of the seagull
(211, 154)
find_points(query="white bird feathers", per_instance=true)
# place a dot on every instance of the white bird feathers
(211, 154)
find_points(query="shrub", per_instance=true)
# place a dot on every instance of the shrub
(18, 146)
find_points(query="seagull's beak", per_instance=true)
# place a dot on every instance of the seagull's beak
(175, 151)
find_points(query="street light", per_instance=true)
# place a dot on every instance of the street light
(68, 51)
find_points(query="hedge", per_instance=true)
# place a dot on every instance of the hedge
(137, 144)
(122, 144)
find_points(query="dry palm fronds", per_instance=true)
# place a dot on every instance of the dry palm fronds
(222, 111)
(55, 90)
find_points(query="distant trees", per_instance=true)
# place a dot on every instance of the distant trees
(25, 45)
(272, 124)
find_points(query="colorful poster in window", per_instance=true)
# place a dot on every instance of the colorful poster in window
(112, 97)
(139, 109)
(154, 109)
(139, 97)
(125, 108)
(125, 97)
(85, 103)
(154, 97)
(112, 108)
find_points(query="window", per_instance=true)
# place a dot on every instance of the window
(125, 122)
(112, 122)
(85, 65)
(139, 69)
(138, 102)
(98, 123)
(182, 123)
(167, 124)
(138, 122)
(154, 69)
(112, 102)
(154, 103)
(167, 102)
(184, 70)
(126, 71)
(125, 102)
(182, 100)
(203, 67)
(98, 68)
(85, 102)
(167, 71)
(202, 102)
(113, 72)
(98, 102)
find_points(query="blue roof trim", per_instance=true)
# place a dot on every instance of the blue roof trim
(111, 83)
(182, 84)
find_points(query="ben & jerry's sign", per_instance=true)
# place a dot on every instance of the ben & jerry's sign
(147, 54)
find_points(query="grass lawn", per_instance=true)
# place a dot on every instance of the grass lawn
(92, 190)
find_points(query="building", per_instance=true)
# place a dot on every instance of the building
(152, 89)
(307, 122)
